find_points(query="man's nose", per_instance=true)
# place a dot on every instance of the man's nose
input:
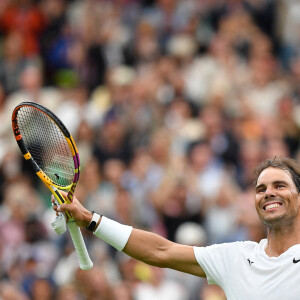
(270, 192)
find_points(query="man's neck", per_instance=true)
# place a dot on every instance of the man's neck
(279, 241)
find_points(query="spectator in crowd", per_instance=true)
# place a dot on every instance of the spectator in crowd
(171, 104)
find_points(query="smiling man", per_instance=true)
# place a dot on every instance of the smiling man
(269, 270)
(277, 203)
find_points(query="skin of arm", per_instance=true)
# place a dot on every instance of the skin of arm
(160, 252)
(145, 246)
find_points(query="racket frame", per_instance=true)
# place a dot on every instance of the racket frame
(84, 260)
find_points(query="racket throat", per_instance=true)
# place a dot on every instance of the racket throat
(57, 194)
(59, 199)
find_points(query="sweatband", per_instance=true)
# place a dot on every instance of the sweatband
(114, 233)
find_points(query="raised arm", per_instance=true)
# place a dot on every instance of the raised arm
(141, 245)
(158, 251)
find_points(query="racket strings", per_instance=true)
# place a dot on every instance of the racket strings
(47, 145)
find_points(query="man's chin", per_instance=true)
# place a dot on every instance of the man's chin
(277, 221)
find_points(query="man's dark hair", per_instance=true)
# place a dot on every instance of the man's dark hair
(286, 163)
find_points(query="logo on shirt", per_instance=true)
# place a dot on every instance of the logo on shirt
(250, 262)
(295, 261)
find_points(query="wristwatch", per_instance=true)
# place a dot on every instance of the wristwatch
(94, 222)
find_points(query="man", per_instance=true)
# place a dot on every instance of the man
(267, 270)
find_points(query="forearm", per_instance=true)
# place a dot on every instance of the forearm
(139, 244)
(160, 252)
(148, 247)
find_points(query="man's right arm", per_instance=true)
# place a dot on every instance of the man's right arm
(142, 245)
(158, 251)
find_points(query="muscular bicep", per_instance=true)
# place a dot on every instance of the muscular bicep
(182, 258)
(158, 251)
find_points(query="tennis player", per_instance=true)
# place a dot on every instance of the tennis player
(268, 270)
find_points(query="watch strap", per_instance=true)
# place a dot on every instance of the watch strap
(94, 222)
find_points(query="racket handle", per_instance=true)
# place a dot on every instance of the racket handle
(85, 262)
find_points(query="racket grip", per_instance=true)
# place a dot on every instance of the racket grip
(85, 262)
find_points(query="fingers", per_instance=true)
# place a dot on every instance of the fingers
(64, 193)
(64, 207)
(79, 213)
(61, 207)
(54, 205)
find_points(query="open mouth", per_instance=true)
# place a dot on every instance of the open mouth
(272, 206)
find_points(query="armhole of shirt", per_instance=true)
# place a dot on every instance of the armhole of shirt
(197, 253)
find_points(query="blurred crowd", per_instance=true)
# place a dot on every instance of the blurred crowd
(172, 103)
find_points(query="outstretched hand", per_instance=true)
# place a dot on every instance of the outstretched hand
(81, 215)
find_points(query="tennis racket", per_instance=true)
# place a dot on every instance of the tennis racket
(50, 149)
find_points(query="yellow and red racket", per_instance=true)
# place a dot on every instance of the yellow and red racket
(50, 149)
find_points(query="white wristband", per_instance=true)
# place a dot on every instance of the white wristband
(114, 233)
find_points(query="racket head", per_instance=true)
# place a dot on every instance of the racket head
(47, 145)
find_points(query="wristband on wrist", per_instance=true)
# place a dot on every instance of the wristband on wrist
(113, 233)
(94, 222)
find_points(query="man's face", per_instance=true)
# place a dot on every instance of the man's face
(276, 198)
